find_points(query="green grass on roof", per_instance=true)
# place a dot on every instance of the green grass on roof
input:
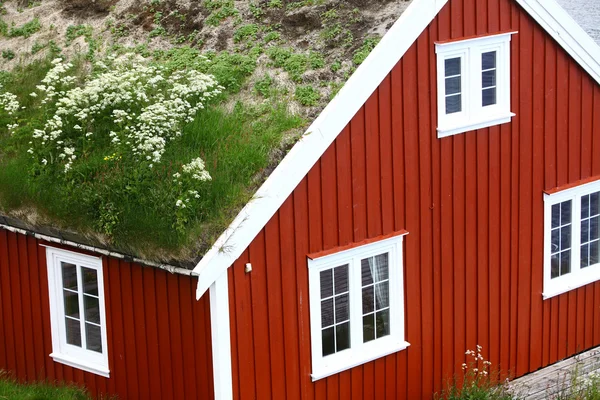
(140, 208)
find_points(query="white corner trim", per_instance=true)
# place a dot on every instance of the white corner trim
(318, 137)
(221, 344)
(566, 31)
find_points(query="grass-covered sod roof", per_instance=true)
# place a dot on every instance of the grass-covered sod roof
(145, 126)
(140, 153)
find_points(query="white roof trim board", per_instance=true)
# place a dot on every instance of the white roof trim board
(567, 32)
(323, 131)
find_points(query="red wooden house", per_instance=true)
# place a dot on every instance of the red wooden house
(448, 197)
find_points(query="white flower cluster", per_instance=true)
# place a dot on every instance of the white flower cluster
(197, 170)
(8, 102)
(145, 105)
(56, 81)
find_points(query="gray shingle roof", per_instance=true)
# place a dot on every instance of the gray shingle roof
(586, 13)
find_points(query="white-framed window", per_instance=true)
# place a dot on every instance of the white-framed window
(356, 306)
(571, 238)
(473, 79)
(77, 313)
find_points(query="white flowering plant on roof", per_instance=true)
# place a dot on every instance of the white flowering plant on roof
(188, 197)
(9, 105)
(130, 107)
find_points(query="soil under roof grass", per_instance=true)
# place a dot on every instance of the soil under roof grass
(140, 207)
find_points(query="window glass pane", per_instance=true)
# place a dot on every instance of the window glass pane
(595, 203)
(594, 253)
(383, 323)
(326, 283)
(382, 295)
(368, 299)
(585, 231)
(488, 78)
(341, 279)
(326, 313)
(365, 272)
(71, 304)
(342, 308)
(590, 234)
(565, 212)
(488, 60)
(73, 332)
(69, 275)
(453, 85)
(584, 255)
(368, 328)
(93, 338)
(594, 228)
(328, 341)
(90, 281)
(92, 309)
(565, 237)
(561, 241)
(488, 97)
(565, 262)
(453, 104)
(555, 244)
(555, 266)
(556, 215)
(585, 206)
(381, 267)
(452, 66)
(342, 336)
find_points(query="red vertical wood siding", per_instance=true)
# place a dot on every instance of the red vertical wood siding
(473, 205)
(159, 342)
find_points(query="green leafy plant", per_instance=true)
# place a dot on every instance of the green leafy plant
(307, 95)
(75, 31)
(8, 54)
(368, 45)
(26, 30)
(246, 32)
(263, 86)
(37, 47)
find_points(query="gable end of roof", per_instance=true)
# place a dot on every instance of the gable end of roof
(321, 134)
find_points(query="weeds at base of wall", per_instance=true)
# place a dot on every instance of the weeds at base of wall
(479, 382)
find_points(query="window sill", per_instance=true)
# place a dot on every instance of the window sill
(359, 359)
(566, 285)
(444, 131)
(88, 367)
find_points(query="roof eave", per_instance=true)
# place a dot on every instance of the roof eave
(567, 32)
(318, 137)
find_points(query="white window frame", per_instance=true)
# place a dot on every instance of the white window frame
(62, 352)
(359, 352)
(577, 277)
(474, 115)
